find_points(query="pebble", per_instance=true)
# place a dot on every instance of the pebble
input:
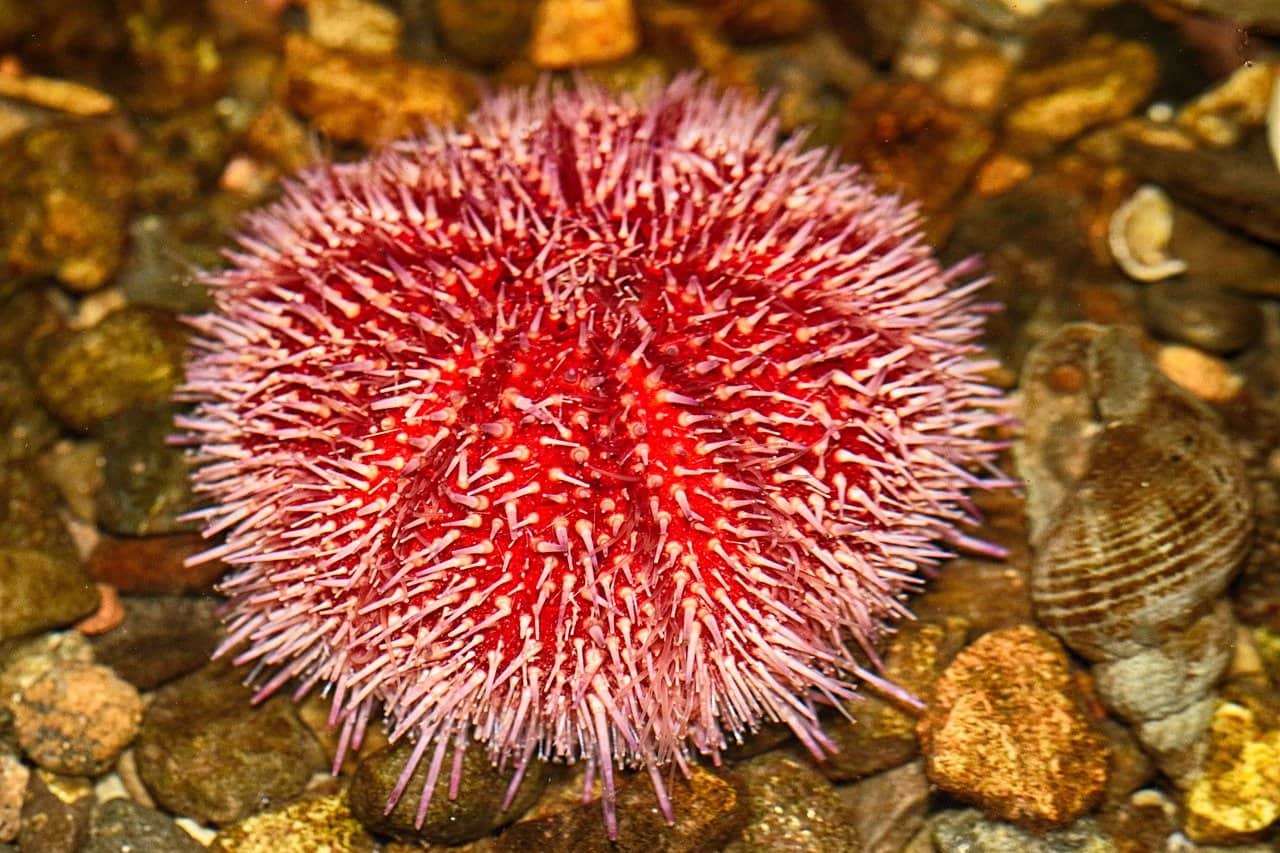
(1205, 317)
(24, 662)
(153, 565)
(1103, 80)
(882, 735)
(322, 823)
(889, 808)
(1206, 376)
(133, 357)
(13, 788)
(359, 26)
(486, 32)
(370, 100)
(970, 831)
(792, 808)
(25, 427)
(476, 812)
(567, 33)
(39, 591)
(1008, 731)
(206, 752)
(56, 814)
(66, 188)
(77, 718)
(711, 809)
(1238, 794)
(160, 638)
(123, 826)
(146, 481)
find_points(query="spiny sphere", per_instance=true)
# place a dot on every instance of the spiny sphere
(607, 428)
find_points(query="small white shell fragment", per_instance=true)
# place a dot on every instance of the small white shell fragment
(1139, 233)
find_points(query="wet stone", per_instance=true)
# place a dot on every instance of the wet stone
(486, 32)
(710, 808)
(360, 26)
(13, 788)
(25, 428)
(27, 317)
(882, 735)
(179, 158)
(64, 196)
(1218, 256)
(370, 99)
(123, 825)
(314, 823)
(1207, 318)
(793, 808)
(582, 32)
(1238, 186)
(889, 808)
(160, 639)
(970, 831)
(56, 814)
(1238, 794)
(1102, 81)
(24, 662)
(153, 565)
(42, 585)
(175, 58)
(206, 752)
(763, 20)
(475, 813)
(77, 718)
(146, 481)
(132, 357)
(910, 141)
(1008, 731)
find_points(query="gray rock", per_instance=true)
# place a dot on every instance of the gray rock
(123, 825)
(1207, 318)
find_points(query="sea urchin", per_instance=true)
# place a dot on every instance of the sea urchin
(603, 429)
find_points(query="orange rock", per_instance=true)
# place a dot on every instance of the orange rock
(109, 614)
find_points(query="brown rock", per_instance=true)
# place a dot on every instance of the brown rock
(582, 32)
(1008, 731)
(370, 99)
(77, 718)
(1102, 81)
(153, 565)
(910, 141)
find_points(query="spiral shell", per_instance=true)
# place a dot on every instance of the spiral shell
(1141, 521)
(1140, 513)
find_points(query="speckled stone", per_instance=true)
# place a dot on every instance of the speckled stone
(475, 813)
(123, 826)
(881, 734)
(55, 814)
(1238, 794)
(969, 831)
(310, 825)
(710, 810)
(792, 808)
(1007, 730)
(206, 752)
(77, 718)
(132, 357)
(13, 788)
(64, 197)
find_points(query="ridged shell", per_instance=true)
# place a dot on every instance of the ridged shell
(1142, 525)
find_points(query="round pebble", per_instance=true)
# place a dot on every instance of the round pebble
(77, 718)
(1204, 375)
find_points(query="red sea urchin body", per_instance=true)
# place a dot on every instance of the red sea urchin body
(602, 429)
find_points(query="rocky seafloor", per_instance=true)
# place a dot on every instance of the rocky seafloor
(1117, 164)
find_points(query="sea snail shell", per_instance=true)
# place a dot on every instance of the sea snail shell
(1140, 514)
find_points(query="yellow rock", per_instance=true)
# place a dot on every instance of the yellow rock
(1239, 792)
